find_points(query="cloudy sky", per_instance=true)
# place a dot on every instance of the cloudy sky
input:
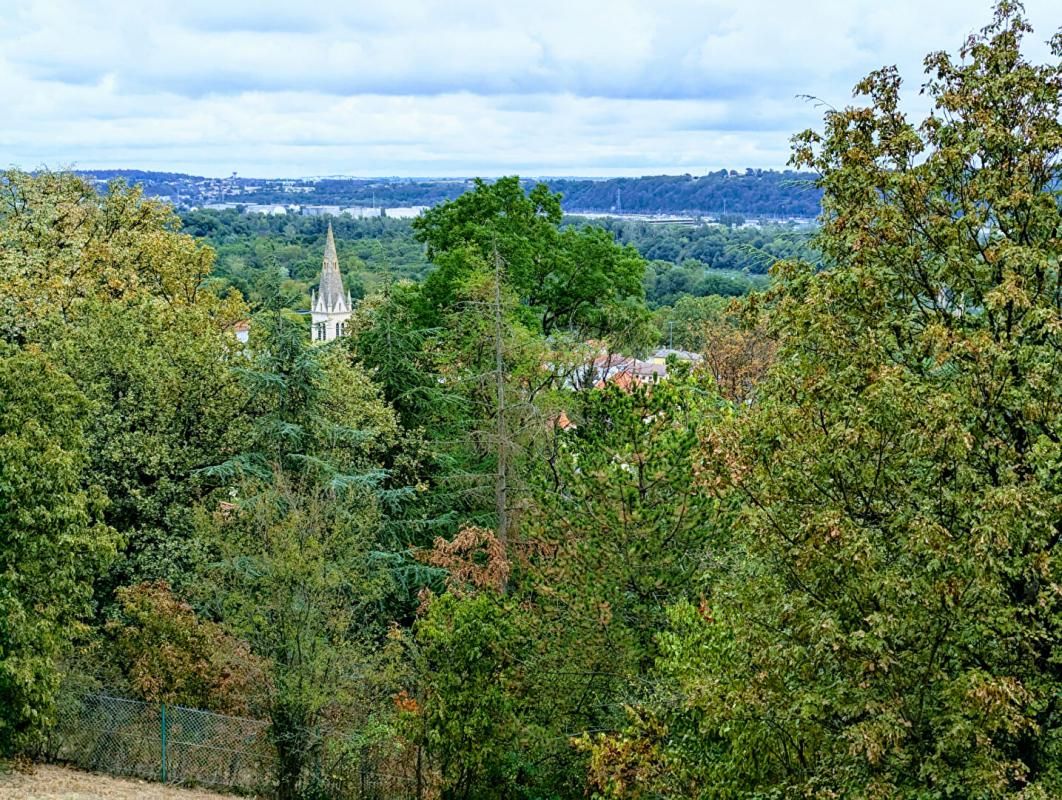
(455, 87)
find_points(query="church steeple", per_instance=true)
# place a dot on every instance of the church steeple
(331, 297)
(330, 306)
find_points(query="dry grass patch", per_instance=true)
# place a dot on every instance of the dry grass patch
(49, 782)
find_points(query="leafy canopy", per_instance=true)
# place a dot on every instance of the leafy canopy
(890, 620)
(567, 279)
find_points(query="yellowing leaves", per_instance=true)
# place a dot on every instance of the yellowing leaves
(1011, 291)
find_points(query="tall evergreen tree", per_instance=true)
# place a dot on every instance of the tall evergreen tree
(296, 528)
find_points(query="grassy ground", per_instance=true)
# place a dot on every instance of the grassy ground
(48, 782)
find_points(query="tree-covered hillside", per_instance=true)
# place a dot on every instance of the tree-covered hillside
(472, 549)
(752, 193)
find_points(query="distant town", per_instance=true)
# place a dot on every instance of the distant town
(745, 198)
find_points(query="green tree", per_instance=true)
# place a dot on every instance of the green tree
(567, 279)
(167, 403)
(475, 392)
(108, 286)
(296, 530)
(469, 651)
(619, 523)
(53, 537)
(296, 579)
(494, 364)
(684, 326)
(619, 530)
(500, 216)
(64, 248)
(505, 274)
(387, 339)
(893, 621)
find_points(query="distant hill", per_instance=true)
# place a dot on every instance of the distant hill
(757, 193)
(750, 193)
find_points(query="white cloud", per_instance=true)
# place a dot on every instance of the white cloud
(460, 87)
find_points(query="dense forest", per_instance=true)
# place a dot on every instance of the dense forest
(264, 256)
(821, 561)
(752, 192)
(260, 254)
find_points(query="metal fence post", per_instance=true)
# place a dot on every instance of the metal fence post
(162, 725)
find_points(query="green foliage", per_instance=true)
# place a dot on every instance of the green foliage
(494, 364)
(296, 580)
(890, 622)
(168, 404)
(667, 284)
(593, 276)
(568, 279)
(264, 256)
(714, 247)
(622, 525)
(389, 344)
(314, 414)
(386, 337)
(619, 531)
(616, 533)
(53, 538)
(469, 651)
(64, 248)
(685, 325)
(114, 293)
(295, 532)
(462, 357)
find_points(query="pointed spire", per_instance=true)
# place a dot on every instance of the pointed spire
(331, 296)
(330, 247)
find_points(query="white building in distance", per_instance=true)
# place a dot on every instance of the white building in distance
(320, 211)
(405, 212)
(330, 306)
(363, 212)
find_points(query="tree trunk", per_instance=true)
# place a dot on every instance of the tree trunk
(501, 488)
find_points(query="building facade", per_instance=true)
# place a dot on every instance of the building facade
(330, 305)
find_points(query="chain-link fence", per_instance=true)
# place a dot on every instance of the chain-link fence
(161, 742)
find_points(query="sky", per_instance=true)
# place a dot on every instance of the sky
(451, 88)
